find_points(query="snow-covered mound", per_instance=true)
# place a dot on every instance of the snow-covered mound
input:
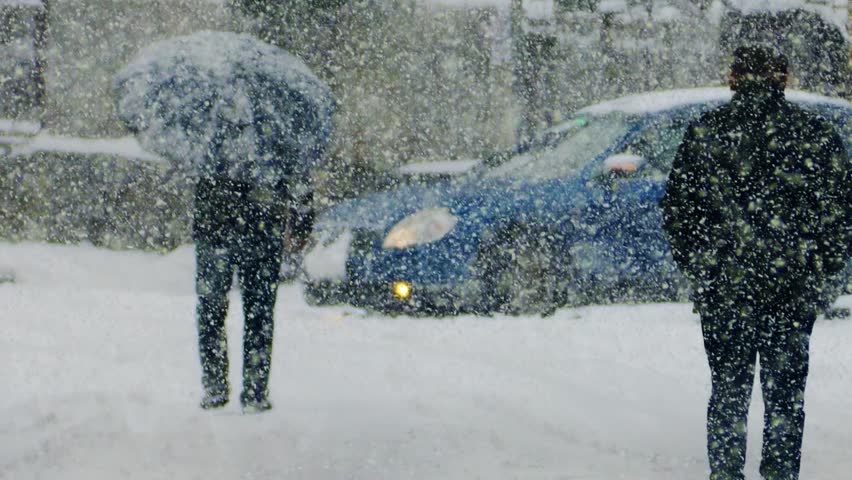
(127, 147)
(101, 381)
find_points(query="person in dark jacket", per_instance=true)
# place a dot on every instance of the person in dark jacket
(238, 227)
(755, 211)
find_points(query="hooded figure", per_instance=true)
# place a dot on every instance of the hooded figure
(756, 213)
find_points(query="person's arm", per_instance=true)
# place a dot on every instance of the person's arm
(830, 185)
(682, 204)
(301, 219)
(840, 157)
(835, 202)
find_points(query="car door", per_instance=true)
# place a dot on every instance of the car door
(627, 190)
(841, 120)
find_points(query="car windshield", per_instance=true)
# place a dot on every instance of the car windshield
(563, 149)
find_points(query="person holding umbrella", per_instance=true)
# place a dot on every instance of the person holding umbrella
(249, 123)
(237, 227)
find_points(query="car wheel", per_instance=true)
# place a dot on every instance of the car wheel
(519, 275)
(314, 295)
(322, 294)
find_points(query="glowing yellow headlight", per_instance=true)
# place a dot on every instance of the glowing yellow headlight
(402, 290)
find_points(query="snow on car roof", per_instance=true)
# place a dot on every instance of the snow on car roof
(660, 101)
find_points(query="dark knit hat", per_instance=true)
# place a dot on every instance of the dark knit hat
(758, 60)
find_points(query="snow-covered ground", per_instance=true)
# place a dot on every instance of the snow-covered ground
(100, 380)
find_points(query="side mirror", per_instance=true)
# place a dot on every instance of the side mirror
(622, 165)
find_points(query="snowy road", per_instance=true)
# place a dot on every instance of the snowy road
(100, 381)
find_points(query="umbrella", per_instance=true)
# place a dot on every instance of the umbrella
(227, 104)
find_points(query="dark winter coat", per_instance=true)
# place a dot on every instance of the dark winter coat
(226, 209)
(756, 204)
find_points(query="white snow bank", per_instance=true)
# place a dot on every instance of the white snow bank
(101, 381)
(22, 3)
(21, 127)
(127, 147)
(85, 267)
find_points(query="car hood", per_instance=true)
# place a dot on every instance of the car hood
(377, 210)
(471, 200)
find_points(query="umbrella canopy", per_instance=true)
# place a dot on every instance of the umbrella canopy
(227, 104)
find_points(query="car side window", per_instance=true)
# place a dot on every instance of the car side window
(657, 144)
(847, 135)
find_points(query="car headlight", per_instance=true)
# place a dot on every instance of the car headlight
(425, 226)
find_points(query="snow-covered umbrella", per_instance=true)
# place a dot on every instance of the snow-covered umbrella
(227, 104)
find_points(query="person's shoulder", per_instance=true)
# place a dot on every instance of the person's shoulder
(804, 118)
(812, 130)
(709, 122)
(714, 115)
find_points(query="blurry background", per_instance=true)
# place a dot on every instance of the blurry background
(418, 80)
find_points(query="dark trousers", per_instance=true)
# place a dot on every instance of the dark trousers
(257, 261)
(780, 337)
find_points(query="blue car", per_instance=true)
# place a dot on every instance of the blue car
(571, 218)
